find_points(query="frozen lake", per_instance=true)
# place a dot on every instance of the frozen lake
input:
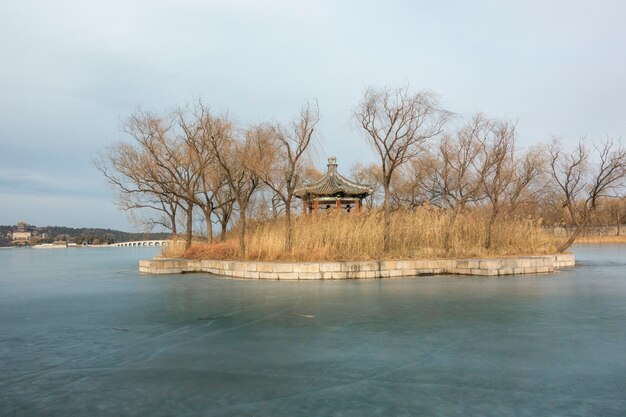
(83, 334)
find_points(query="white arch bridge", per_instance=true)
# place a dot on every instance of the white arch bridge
(144, 243)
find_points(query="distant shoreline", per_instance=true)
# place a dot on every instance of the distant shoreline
(600, 239)
(113, 245)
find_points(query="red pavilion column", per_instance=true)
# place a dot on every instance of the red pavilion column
(357, 203)
(338, 206)
(316, 206)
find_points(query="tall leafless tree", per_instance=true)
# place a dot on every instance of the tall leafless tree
(452, 173)
(506, 179)
(173, 163)
(584, 177)
(130, 170)
(397, 123)
(225, 199)
(196, 163)
(284, 149)
(237, 158)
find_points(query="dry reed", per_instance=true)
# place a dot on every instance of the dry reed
(415, 234)
(173, 251)
(218, 250)
(601, 239)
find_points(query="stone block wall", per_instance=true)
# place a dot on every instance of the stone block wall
(360, 269)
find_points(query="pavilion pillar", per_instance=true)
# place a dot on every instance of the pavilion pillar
(316, 206)
(357, 203)
(338, 206)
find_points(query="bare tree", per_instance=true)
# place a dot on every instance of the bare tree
(133, 172)
(184, 154)
(615, 211)
(172, 144)
(452, 177)
(497, 156)
(530, 182)
(583, 182)
(283, 150)
(236, 159)
(172, 164)
(195, 174)
(372, 176)
(397, 123)
(162, 210)
(505, 180)
(214, 195)
(407, 188)
(225, 199)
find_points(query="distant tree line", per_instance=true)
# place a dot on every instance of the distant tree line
(49, 234)
(194, 163)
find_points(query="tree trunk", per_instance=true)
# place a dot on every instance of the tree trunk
(492, 221)
(174, 229)
(449, 228)
(571, 239)
(618, 225)
(242, 230)
(224, 220)
(274, 210)
(189, 230)
(209, 226)
(387, 219)
(288, 244)
(224, 226)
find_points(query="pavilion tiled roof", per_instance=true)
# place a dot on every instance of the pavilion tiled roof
(333, 184)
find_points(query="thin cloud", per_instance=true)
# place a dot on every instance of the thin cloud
(43, 184)
(74, 69)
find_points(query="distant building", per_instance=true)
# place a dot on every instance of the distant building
(21, 235)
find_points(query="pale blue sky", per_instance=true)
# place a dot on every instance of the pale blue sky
(70, 71)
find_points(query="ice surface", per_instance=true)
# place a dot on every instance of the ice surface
(82, 333)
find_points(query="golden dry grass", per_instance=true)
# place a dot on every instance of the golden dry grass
(601, 239)
(173, 251)
(218, 250)
(414, 234)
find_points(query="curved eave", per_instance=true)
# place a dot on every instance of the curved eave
(333, 185)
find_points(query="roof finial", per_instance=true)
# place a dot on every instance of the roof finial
(332, 164)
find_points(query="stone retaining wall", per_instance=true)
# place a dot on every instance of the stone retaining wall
(361, 269)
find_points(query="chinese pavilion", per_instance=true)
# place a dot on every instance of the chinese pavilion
(333, 191)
